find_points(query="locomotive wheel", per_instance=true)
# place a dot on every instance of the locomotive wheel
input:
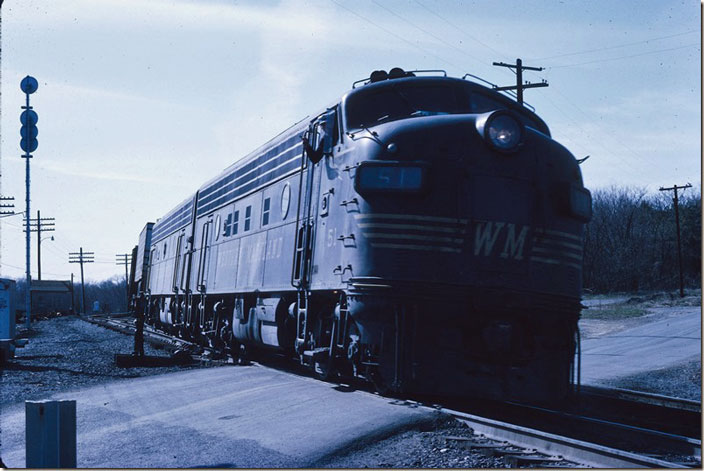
(380, 385)
(242, 355)
(325, 370)
(234, 350)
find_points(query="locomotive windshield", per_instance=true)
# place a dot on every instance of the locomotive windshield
(408, 99)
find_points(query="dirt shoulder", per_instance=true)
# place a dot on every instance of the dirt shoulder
(610, 314)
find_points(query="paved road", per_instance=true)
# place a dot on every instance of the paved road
(672, 340)
(218, 417)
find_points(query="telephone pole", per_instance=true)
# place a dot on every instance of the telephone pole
(7, 208)
(677, 222)
(520, 85)
(82, 257)
(125, 259)
(38, 225)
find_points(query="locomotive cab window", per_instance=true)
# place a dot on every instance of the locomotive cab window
(400, 101)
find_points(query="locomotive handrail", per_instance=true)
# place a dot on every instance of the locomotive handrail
(494, 86)
(422, 71)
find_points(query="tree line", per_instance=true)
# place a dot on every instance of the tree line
(631, 241)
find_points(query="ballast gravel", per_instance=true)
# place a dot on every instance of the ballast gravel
(66, 353)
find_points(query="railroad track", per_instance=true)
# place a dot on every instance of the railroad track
(125, 324)
(535, 447)
(599, 427)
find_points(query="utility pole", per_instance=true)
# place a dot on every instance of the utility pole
(82, 257)
(7, 208)
(73, 297)
(38, 225)
(125, 259)
(677, 222)
(520, 85)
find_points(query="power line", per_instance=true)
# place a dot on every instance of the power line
(607, 132)
(395, 35)
(624, 57)
(461, 30)
(587, 51)
(428, 32)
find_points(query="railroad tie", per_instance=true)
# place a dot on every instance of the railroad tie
(514, 460)
(471, 443)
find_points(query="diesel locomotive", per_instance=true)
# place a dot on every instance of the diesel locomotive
(424, 233)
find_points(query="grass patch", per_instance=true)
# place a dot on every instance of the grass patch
(613, 312)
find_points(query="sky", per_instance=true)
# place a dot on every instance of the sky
(142, 101)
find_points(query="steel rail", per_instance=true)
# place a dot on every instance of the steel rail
(643, 397)
(551, 444)
(613, 431)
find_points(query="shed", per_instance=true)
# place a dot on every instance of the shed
(50, 296)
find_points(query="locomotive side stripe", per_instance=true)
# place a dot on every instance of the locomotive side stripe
(174, 216)
(173, 223)
(231, 186)
(261, 180)
(549, 243)
(428, 248)
(380, 235)
(229, 181)
(212, 199)
(553, 261)
(557, 252)
(252, 165)
(560, 234)
(379, 225)
(412, 217)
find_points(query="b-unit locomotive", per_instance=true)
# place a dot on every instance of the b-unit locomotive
(424, 233)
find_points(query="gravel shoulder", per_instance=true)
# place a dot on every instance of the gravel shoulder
(67, 353)
(611, 314)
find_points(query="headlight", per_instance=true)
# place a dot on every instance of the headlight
(390, 176)
(501, 130)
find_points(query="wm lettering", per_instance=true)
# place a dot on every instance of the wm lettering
(485, 236)
(487, 233)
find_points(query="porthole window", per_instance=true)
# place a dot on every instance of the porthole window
(265, 211)
(285, 200)
(247, 218)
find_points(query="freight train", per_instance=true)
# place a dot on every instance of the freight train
(424, 233)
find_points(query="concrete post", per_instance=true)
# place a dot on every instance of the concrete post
(50, 434)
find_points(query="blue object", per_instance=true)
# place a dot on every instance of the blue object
(29, 85)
